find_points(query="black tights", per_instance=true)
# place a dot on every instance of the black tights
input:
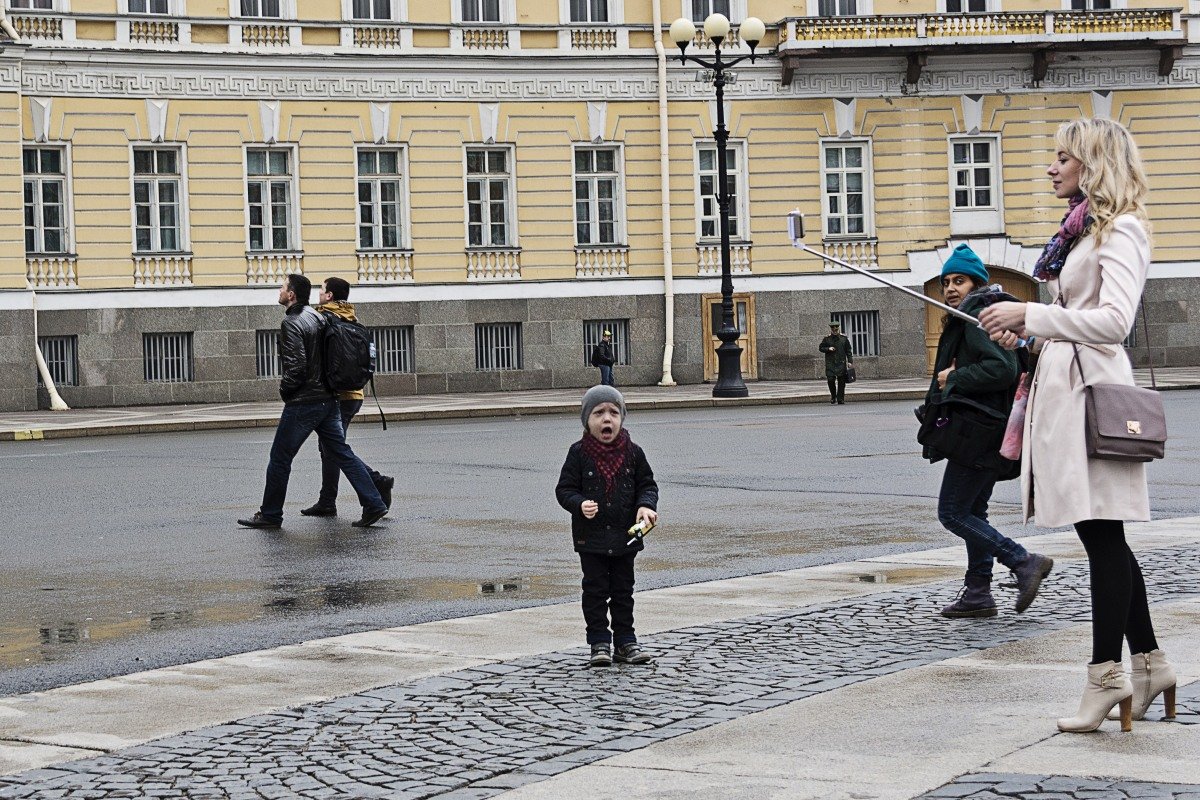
(1119, 607)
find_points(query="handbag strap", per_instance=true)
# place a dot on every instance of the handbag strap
(1145, 329)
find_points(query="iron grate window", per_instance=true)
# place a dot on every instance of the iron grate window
(593, 332)
(497, 346)
(167, 357)
(266, 354)
(393, 349)
(862, 328)
(62, 359)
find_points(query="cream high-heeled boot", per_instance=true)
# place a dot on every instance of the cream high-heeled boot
(1151, 676)
(1107, 686)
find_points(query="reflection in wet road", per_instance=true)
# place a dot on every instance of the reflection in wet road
(126, 557)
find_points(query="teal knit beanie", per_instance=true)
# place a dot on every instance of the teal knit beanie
(963, 261)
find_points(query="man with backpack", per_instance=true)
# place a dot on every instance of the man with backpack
(603, 359)
(308, 406)
(346, 366)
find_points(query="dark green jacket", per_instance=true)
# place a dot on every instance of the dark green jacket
(984, 371)
(837, 353)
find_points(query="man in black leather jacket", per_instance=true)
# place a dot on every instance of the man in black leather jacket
(308, 406)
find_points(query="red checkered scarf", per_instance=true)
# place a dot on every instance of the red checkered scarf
(609, 458)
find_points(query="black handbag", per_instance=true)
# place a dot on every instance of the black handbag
(851, 375)
(963, 431)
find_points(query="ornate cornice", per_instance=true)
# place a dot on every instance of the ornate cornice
(72, 73)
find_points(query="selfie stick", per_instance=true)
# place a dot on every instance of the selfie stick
(796, 234)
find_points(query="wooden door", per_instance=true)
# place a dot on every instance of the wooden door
(743, 318)
(1017, 284)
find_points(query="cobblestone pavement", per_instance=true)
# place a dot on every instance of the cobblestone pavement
(476, 732)
(993, 786)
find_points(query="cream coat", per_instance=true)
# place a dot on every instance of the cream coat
(1101, 288)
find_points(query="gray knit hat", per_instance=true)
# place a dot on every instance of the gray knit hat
(597, 395)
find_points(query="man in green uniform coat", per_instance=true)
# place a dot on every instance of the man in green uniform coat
(837, 356)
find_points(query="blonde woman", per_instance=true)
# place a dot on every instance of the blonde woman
(1095, 267)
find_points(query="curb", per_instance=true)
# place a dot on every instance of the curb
(516, 410)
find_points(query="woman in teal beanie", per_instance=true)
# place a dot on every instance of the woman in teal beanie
(969, 364)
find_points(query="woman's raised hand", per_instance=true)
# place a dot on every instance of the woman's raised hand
(1003, 318)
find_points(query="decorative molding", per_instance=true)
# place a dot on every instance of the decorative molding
(1102, 104)
(726, 110)
(92, 74)
(381, 122)
(844, 112)
(489, 122)
(597, 120)
(268, 113)
(156, 114)
(39, 110)
(972, 111)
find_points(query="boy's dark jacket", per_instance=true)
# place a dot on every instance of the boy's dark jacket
(608, 531)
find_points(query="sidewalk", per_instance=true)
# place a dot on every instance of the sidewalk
(25, 425)
(838, 681)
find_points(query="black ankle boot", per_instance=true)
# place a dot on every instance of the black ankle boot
(974, 600)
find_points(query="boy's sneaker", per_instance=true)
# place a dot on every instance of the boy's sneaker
(601, 655)
(632, 653)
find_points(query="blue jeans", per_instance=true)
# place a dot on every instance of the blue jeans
(295, 424)
(606, 376)
(963, 510)
(330, 472)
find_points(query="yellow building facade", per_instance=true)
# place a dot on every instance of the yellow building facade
(500, 180)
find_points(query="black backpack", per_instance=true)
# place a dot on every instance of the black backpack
(349, 354)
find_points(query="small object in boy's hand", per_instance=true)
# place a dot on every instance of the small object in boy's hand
(640, 529)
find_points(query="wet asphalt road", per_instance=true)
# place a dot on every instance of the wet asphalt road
(122, 553)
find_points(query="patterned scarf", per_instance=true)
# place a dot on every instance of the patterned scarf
(1054, 256)
(609, 458)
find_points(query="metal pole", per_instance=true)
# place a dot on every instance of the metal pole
(729, 353)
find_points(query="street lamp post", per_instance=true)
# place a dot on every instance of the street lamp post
(716, 27)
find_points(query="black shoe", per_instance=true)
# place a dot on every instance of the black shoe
(974, 600)
(369, 518)
(1030, 574)
(601, 655)
(318, 510)
(259, 521)
(841, 402)
(384, 485)
(632, 653)
(832, 400)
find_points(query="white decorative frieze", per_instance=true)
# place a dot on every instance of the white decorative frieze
(39, 110)
(489, 122)
(50, 271)
(601, 262)
(392, 266)
(708, 259)
(162, 269)
(597, 120)
(381, 122)
(843, 114)
(272, 268)
(1102, 104)
(972, 111)
(268, 113)
(156, 115)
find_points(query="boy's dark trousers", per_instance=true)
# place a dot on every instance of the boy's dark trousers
(608, 587)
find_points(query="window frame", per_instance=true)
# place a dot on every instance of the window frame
(182, 220)
(68, 205)
(507, 9)
(977, 220)
(287, 11)
(59, 6)
(993, 165)
(189, 341)
(405, 221)
(990, 6)
(71, 350)
(868, 168)
(399, 13)
(519, 348)
(618, 178)
(865, 8)
(615, 10)
(737, 10)
(510, 203)
(266, 345)
(407, 336)
(741, 177)
(846, 318)
(621, 340)
(175, 8)
(295, 242)
(1114, 5)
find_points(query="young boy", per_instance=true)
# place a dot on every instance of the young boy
(607, 485)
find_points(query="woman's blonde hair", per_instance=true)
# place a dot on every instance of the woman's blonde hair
(1112, 177)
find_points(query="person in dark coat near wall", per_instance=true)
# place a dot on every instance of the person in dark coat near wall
(603, 359)
(838, 355)
(607, 485)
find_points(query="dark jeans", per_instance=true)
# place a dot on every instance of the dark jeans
(1119, 607)
(963, 510)
(330, 473)
(295, 424)
(837, 388)
(606, 376)
(608, 588)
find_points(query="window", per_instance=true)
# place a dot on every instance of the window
(393, 349)
(39, 5)
(270, 9)
(1090, 5)
(967, 6)
(380, 200)
(156, 200)
(371, 9)
(62, 360)
(973, 165)
(149, 6)
(593, 332)
(498, 346)
(167, 357)
(701, 9)
(709, 210)
(45, 199)
(597, 196)
(838, 8)
(480, 10)
(862, 328)
(847, 208)
(589, 10)
(489, 187)
(269, 199)
(266, 354)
